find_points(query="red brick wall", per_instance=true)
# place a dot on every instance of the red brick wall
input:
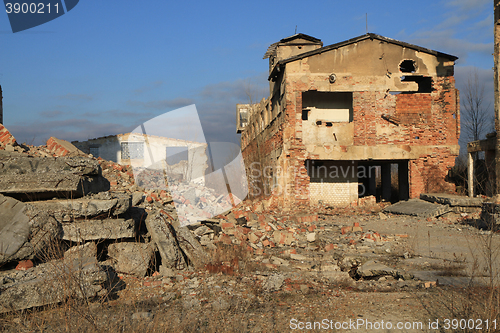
(6, 138)
(428, 173)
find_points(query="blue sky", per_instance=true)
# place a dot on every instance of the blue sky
(105, 67)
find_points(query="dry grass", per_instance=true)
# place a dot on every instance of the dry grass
(480, 298)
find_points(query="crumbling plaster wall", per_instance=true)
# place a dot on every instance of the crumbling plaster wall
(424, 130)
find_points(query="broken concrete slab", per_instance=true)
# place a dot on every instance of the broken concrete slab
(87, 250)
(419, 208)
(25, 233)
(65, 210)
(14, 227)
(131, 258)
(452, 199)
(76, 276)
(191, 247)
(372, 269)
(31, 178)
(163, 234)
(98, 229)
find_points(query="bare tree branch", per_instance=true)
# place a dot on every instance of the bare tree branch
(475, 116)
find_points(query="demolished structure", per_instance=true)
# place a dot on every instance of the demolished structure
(342, 120)
(58, 203)
(76, 226)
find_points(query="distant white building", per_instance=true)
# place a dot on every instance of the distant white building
(186, 159)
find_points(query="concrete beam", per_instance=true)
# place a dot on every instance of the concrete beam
(76, 276)
(65, 210)
(452, 199)
(98, 229)
(163, 234)
(32, 178)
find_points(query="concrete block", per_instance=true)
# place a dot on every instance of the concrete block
(14, 227)
(131, 258)
(77, 276)
(311, 237)
(137, 198)
(163, 234)
(38, 178)
(98, 229)
(191, 247)
(338, 277)
(25, 232)
(87, 250)
(372, 269)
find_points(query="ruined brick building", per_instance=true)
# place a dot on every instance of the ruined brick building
(342, 120)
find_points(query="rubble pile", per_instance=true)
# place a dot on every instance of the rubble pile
(192, 200)
(58, 206)
(261, 231)
(56, 198)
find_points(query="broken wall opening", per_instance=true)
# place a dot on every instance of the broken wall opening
(424, 83)
(339, 183)
(327, 107)
(408, 66)
(386, 180)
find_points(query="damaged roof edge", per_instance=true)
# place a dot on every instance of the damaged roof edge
(355, 40)
(273, 46)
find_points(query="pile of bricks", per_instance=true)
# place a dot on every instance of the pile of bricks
(120, 177)
(249, 225)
